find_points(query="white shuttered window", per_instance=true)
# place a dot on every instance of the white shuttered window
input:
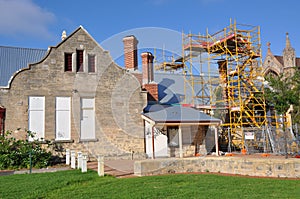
(87, 122)
(36, 117)
(63, 118)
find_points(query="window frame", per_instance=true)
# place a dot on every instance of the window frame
(68, 58)
(173, 136)
(87, 105)
(58, 111)
(79, 60)
(91, 63)
(37, 117)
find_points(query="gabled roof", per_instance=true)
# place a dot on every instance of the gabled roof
(279, 59)
(177, 114)
(298, 62)
(12, 59)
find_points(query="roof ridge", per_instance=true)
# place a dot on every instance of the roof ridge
(282, 56)
(15, 47)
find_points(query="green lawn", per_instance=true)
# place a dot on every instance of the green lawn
(74, 184)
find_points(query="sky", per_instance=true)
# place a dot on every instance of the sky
(156, 23)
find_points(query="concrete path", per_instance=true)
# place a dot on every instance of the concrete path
(6, 172)
(117, 168)
(44, 170)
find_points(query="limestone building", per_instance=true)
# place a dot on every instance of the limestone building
(75, 95)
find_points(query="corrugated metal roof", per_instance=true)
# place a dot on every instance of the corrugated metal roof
(13, 59)
(180, 114)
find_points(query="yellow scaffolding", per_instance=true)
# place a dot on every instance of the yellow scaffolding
(223, 77)
(232, 82)
(168, 62)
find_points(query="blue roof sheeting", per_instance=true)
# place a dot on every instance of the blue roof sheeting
(12, 59)
(171, 88)
(177, 114)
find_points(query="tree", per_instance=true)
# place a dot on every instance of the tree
(281, 92)
(296, 112)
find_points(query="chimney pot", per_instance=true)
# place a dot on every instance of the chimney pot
(63, 35)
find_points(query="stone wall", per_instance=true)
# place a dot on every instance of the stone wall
(267, 167)
(119, 99)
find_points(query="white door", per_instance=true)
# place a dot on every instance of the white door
(87, 123)
(161, 145)
(36, 114)
(160, 142)
(148, 137)
(63, 118)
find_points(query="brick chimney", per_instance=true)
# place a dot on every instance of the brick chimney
(148, 77)
(130, 52)
(147, 63)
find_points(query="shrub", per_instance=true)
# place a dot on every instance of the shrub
(15, 154)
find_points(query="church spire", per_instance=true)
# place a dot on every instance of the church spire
(287, 41)
(289, 56)
(269, 49)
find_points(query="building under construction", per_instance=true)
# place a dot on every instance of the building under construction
(223, 77)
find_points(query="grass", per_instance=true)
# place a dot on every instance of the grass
(74, 184)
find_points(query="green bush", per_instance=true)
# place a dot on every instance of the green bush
(15, 154)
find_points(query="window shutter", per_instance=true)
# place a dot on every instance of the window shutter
(91, 60)
(79, 54)
(68, 61)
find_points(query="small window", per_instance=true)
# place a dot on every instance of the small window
(186, 134)
(91, 63)
(79, 60)
(173, 136)
(68, 61)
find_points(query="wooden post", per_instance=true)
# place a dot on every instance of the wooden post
(153, 148)
(180, 142)
(216, 140)
(73, 160)
(229, 140)
(67, 156)
(84, 163)
(100, 165)
(79, 160)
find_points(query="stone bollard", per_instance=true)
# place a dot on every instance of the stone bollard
(67, 156)
(84, 163)
(100, 165)
(79, 160)
(73, 160)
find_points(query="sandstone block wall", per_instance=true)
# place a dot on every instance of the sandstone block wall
(119, 99)
(232, 165)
